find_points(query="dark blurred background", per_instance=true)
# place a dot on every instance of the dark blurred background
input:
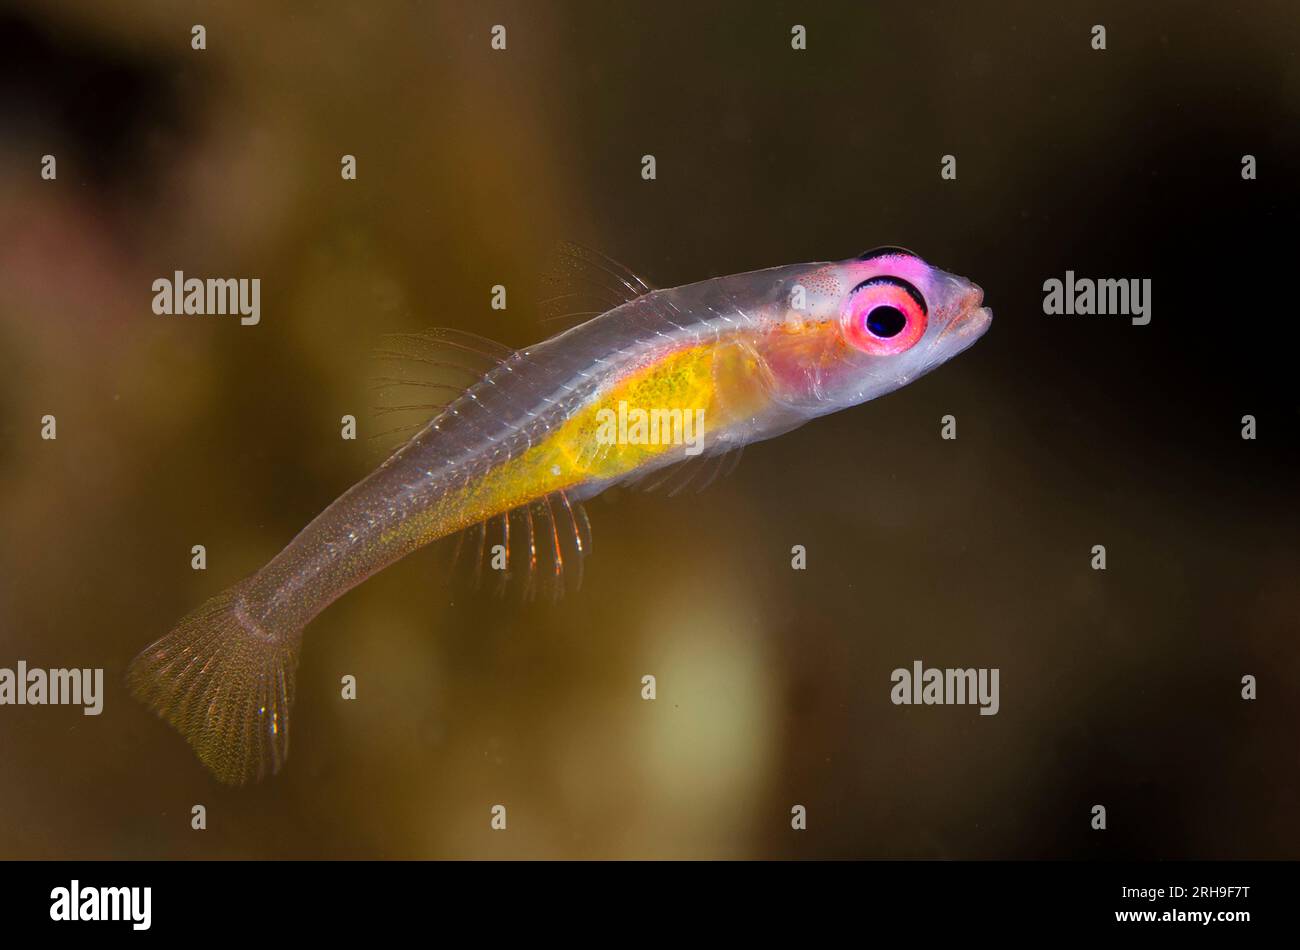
(1119, 688)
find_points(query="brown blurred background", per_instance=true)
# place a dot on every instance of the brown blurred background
(1119, 688)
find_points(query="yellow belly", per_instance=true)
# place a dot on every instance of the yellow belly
(721, 380)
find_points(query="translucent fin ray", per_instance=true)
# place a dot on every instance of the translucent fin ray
(423, 374)
(226, 685)
(535, 549)
(699, 472)
(580, 283)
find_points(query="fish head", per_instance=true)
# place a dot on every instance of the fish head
(869, 326)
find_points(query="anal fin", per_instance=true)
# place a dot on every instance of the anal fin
(534, 550)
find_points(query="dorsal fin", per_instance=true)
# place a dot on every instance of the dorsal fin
(579, 283)
(421, 374)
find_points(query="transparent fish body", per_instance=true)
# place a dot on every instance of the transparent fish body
(713, 365)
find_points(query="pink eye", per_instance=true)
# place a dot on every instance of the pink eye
(884, 316)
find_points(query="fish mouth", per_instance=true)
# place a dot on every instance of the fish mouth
(969, 322)
(976, 322)
(973, 319)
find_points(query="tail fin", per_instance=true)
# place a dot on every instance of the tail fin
(226, 685)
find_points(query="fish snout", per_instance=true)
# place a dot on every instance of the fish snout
(970, 317)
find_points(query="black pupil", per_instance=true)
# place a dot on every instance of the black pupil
(886, 321)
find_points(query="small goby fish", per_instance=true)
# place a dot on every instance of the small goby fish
(748, 357)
